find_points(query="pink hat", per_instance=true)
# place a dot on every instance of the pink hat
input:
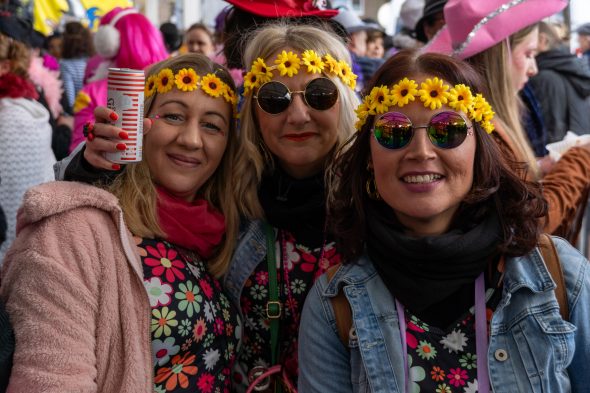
(285, 8)
(473, 26)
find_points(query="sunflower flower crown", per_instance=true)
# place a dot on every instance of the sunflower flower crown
(187, 79)
(433, 93)
(289, 63)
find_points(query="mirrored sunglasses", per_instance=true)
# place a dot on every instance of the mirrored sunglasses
(446, 130)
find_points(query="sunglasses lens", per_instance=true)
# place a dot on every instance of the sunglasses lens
(393, 130)
(321, 94)
(273, 97)
(447, 130)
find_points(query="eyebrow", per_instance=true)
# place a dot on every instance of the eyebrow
(181, 103)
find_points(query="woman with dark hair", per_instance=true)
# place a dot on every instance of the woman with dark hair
(432, 221)
(77, 48)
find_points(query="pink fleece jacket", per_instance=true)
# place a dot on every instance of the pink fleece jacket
(73, 287)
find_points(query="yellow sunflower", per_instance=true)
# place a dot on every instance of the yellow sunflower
(481, 110)
(230, 96)
(332, 64)
(212, 85)
(362, 112)
(434, 93)
(346, 74)
(488, 126)
(314, 63)
(150, 86)
(380, 99)
(251, 82)
(165, 80)
(261, 70)
(187, 79)
(403, 92)
(288, 63)
(460, 98)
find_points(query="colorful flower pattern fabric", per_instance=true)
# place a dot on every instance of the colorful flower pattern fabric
(194, 329)
(445, 361)
(297, 269)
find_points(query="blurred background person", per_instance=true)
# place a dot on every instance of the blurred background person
(432, 20)
(26, 158)
(410, 13)
(54, 44)
(77, 48)
(172, 37)
(375, 44)
(199, 39)
(584, 41)
(562, 86)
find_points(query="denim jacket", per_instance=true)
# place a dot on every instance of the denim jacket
(531, 349)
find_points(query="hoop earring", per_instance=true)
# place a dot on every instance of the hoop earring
(371, 187)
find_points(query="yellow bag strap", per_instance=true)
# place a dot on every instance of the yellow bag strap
(342, 311)
(553, 264)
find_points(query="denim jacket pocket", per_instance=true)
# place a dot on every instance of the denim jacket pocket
(358, 375)
(561, 334)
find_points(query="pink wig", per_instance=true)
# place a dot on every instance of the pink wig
(141, 42)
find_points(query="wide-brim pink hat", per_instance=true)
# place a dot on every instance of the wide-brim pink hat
(285, 8)
(473, 26)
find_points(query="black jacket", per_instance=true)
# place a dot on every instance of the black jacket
(562, 87)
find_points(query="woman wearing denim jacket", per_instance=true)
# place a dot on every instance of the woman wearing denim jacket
(447, 289)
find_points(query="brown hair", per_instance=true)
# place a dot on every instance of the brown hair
(17, 54)
(137, 193)
(495, 186)
(77, 41)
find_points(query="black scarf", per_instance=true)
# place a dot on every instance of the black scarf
(296, 205)
(432, 276)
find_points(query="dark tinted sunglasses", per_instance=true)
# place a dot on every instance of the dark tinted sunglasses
(446, 130)
(274, 97)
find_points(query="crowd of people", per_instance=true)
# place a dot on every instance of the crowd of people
(320, 207)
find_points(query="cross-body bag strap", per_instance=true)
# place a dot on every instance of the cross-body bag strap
(553, 264)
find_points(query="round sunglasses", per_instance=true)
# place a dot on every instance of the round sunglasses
(446, 130)
(274, 97)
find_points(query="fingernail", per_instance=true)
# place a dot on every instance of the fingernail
(121, 146)
(151, 121)
(123, 135)
(114, 116)
(90, 137)
(116, 167)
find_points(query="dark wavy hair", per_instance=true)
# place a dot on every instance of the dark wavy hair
(77, 41)
(519, 204)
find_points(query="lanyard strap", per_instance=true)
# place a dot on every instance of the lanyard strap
(273, 306)
(481, 337)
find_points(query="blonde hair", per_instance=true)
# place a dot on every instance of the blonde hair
(17, 54)
(264, 43)
(494, 64)
(137, 192)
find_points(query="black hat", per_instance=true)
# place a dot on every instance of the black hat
(431, 7)
(15, 28)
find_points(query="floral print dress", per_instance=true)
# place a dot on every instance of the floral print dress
(297, 269)
(445, 360)
(194, 328)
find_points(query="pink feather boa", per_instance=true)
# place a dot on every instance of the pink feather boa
(50, 83)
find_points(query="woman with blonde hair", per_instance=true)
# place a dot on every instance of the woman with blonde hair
(500, 41)
(131, 270)
(298, 109)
